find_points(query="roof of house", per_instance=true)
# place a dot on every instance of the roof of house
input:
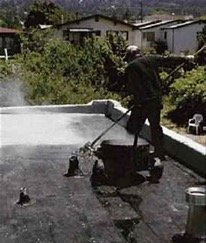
(160, 23)
(175, 23)
(8, 30)
(145, 23)
(182, 25)
(98, 16)
(112, 19)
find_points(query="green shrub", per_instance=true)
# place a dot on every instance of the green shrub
(5, 69)
(66, 73)
(35, 39)
(188, 94)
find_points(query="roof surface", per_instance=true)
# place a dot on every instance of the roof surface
(53, 128)
(35, 151)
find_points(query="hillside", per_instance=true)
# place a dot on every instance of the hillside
(118, 7)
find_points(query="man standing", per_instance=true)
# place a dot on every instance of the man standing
(144, 85)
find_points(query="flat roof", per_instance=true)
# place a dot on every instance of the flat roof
(36, 145)
(54, 128)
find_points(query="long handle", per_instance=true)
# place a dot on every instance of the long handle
(105, 131)
(182, 64)
(134, 150)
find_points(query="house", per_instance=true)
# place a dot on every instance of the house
(9, 40)
(152, 33)
(98, 25)
(177, 35)
(182, 38)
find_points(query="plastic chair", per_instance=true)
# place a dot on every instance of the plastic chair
(195, 123)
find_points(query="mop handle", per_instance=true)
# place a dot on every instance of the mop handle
(110, 127)
(182, 64)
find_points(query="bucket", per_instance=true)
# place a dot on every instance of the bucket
(118, 157)
(196, 219)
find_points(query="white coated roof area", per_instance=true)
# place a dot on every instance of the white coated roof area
(183, 24)
(157, 24)
(146, 23)
(55, 128)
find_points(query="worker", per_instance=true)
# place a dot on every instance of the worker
(144, 85)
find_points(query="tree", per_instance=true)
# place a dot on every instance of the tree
(35, 39)
(45, 13)
(9, 16)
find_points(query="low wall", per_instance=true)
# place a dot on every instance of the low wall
(96, 106)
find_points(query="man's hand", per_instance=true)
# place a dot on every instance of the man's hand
(189, 63)
(190, 58)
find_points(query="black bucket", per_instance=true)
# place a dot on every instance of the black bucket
(120, 157)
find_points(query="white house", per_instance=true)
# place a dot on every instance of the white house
(178, 35)
(151, 33)
(99, 25)
(182, 38)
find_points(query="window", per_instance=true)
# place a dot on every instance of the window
(74, 37)
(165, 35)
(9, 42)
(97, 33)
(123, 34)
(149, 36)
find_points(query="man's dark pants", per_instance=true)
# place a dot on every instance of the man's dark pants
(149, 110)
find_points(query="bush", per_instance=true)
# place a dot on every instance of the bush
(5, 69)
(65, 73)
(188, 94)
(160, 47)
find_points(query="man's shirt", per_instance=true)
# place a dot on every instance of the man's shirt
(143, 80)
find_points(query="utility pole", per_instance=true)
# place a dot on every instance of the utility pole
(141, 11)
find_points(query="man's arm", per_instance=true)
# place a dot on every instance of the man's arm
(169, 61)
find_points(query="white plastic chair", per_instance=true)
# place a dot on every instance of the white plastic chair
(195, 123)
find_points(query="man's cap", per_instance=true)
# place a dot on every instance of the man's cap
(132, 49)
(131, 52)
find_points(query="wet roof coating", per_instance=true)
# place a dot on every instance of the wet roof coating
(34, 153)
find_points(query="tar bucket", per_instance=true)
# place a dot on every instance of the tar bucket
(196, 219)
